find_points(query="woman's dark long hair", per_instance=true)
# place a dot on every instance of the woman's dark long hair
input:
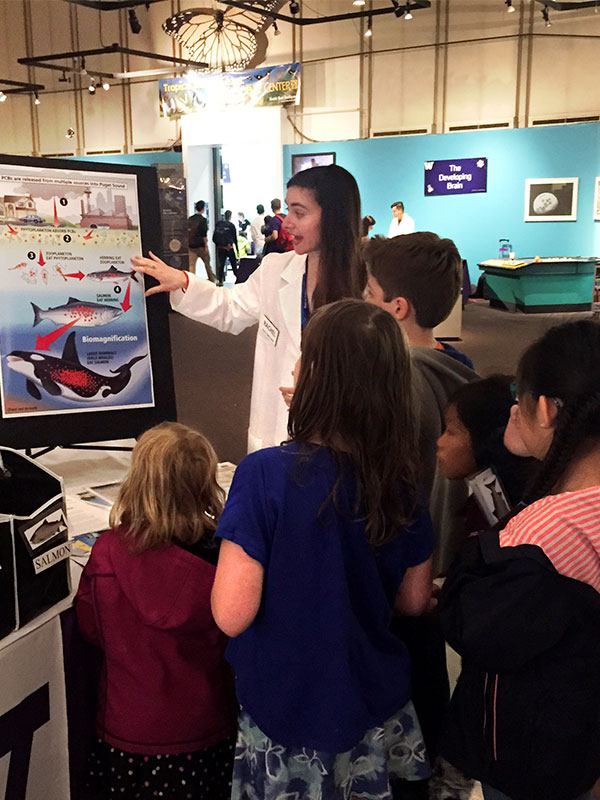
(564, 365)
(341, 270)
(354, 395)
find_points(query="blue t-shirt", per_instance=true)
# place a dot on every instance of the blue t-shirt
(318, 666)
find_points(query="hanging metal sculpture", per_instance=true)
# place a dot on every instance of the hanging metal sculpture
(232, 39)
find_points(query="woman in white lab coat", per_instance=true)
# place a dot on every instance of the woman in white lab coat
(324, 222)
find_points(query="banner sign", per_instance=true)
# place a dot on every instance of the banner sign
(257, 88)
(461, 176)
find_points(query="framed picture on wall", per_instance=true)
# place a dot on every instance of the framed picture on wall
(551, 199)
(597, 198)
(301, 161)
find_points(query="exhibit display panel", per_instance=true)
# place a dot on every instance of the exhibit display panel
(83, 355)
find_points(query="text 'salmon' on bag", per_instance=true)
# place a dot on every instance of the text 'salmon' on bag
(34, 551)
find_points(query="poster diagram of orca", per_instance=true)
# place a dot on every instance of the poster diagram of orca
(66, 376)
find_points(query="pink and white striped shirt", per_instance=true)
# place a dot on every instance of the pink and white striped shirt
(566, 527)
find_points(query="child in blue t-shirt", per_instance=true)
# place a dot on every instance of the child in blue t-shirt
(323, 538)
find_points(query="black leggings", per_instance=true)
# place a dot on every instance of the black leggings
(222, 255)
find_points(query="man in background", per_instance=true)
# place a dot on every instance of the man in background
(225, 239)
(198, 241)
(273, 232)
(256, 234)
(401, 223)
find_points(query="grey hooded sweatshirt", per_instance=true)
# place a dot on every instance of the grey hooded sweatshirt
(436, 377)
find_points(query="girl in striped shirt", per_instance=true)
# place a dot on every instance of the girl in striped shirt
(522, 605)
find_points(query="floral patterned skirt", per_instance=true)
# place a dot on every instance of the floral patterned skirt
(264, 770)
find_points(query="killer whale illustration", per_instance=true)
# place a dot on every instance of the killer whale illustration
(66, 376)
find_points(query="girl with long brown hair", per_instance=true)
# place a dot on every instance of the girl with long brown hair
(323, 538)
(166, 709)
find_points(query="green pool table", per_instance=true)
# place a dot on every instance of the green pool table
(548, 284)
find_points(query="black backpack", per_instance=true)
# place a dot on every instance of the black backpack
(222, 234)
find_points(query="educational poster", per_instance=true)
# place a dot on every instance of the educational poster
(73, 332)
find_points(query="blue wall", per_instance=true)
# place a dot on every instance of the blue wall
(137, 159)
(392, 169)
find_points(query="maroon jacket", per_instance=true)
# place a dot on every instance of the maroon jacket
(165, 686)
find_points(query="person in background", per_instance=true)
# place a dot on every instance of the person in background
(522, 604)
(277, 239)
(265, 227)
(257, 237)
(367, 226)
(225, 239)
(402, 223)
(243, 223)
(323, 222)
(166, 707)
(322, 538)
(198, 241)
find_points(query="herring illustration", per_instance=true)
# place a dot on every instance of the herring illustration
(112, 274)
(86, 313)
(66, 376)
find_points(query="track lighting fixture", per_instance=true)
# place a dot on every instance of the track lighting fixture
(408, 14)
(134, 23)
(294, 7)
(105, 85)
(276, 31)
(92, 86)
(369, 31)
(358, 3)
(546, 17)
(510, 8)
(3, 97)
(37, 99)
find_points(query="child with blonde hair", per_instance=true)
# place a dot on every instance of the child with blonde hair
(166, 710)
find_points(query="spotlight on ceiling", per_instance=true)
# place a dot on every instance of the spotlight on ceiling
(358, 3)
(294, 7)
(134, 22)
(3, 97)
(276, 31)
(37, 99)
(408, 15)
(369, 31)
(105, 85)
(510, 8)
(70, 133)
(546, 17)
(92, 86)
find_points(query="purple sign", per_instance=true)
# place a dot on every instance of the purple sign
(461, 176)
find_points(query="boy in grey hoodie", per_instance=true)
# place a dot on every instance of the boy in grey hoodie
(417, 279)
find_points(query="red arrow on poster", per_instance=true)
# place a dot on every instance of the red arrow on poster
(79, 275)
(41, 261)
(88, 235)
(10, 230)
(126, 305)
(44, 342)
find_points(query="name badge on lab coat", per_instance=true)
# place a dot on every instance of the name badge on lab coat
(268, 330)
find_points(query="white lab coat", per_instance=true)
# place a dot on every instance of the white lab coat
(272, 296)
(406, 225)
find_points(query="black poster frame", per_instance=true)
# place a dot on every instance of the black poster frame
(51, 430)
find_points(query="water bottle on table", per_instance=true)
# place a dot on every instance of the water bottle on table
(504, 249)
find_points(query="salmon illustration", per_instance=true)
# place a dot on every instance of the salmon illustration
(112, 274)
(66, 376)
(87, 314)
(48, 528)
